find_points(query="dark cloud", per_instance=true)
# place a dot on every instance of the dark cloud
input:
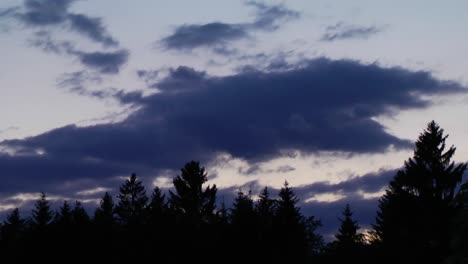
(55, 13)
(93, 28)
(187, 37)
(270, 17)
(369, 183)
(45, 12)
(181, 78)
(104, 62)
(217, 35)
(319, 105)
(43, 40)
(343, 31)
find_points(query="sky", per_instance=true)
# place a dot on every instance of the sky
(328, 95)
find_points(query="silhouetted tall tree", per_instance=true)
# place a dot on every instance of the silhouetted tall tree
(190, 200)
(243, 213)
(157, 207)
(64, 217)
(104, 215)
(42, 214)
(415, 212)
(12, 227)
(348, 236)
(290, 227)
(265, 207)
(80, 216)
(132, 202)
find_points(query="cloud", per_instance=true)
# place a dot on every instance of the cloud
(104, 62)
(108, 62)
(342, 31)
(270, 17)
(181, 78)
(187, 37)
(218, 35)
(93, 28)
(55, 13)
(319, 105)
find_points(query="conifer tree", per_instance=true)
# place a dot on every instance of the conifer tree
(132, 202)
(415, 212)
(243, 213)
(64, 217)
(194, 204)
(265, 207)
(104, 215)
(348, 236)
(41, 214)
(290, 227)
(80, 216)
(157, 207)
(12, 227)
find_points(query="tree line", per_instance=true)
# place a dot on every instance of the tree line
(422, 218)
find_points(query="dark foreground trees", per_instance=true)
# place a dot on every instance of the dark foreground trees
(422, 218)
(417, 210)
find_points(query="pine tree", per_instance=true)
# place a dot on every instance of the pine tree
(265, 208)
(290, 227)
(415, 212)
(104, 215)
(348, 236)
(157, 207)
(12, 227)
(64, 217)
(243, 214)
(194, 204)
(132, 202)
(80, 216)
(42, 214)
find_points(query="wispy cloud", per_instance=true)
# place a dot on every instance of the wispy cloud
(343, 31)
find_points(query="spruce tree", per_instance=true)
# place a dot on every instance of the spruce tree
(157, 207)
(64, 217)
(265, 207)
(104, 215)
(415, 213)
(12, 227)
(348, 236)
(290, 227)
(243, 214)
(41, 214)
(80, 216)
(132, 202)
(190, 201)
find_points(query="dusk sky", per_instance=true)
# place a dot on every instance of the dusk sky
(328, 95)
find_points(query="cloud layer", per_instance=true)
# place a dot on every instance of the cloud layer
(317, 105)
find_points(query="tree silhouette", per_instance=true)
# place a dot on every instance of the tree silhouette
(64, 217)
(104, 215)
(157, 207)
(415, 212)
(42, 214)
(13, 226)
(190, 200)
(290, 227)
(80, 216)
(347, 236)
(132, 202)
(265, 207)
(348, 241)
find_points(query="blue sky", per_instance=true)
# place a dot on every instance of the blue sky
(328, 95)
